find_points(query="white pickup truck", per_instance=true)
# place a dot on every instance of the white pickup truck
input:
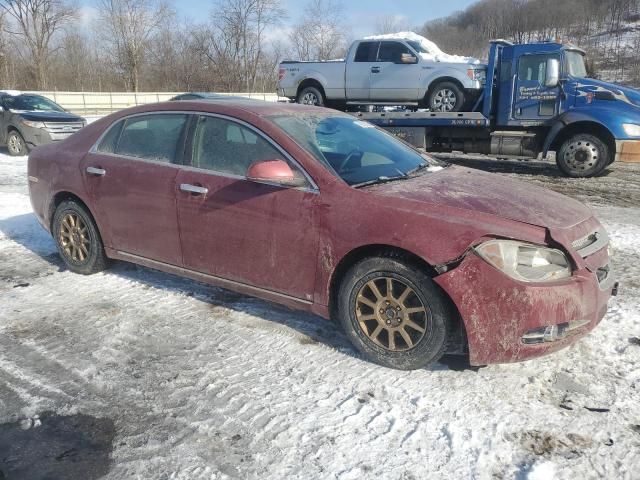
(397, 69)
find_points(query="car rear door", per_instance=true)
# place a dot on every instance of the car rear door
(131, 176)
(358, 73)
(258, 234)
(393, 80)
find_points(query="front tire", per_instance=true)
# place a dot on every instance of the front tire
(446, 97)
(583, 155)
(16, 145)
(311, 96)
(78, 240)
(393, 313)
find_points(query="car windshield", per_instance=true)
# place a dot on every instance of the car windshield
(31, 103)
(417, 47)
(575, 64)
(356, 151)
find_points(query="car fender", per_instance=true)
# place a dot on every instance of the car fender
(433, 72)
(567, 119)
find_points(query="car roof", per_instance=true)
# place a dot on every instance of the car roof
(256, 107)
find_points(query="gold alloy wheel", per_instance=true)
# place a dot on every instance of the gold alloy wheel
(391, 314)
(74, 237)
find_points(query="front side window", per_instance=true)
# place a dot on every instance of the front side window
(230, 148)
(392, 52)
(533, 68)
(354, 150)
(151, 137)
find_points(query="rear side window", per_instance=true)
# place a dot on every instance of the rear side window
(150, 137)
(392, 51)
(367, 52)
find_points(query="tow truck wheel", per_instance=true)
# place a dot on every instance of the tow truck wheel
(446, 97)
(311, 96)
(582, 155)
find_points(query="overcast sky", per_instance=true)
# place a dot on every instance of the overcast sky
(360, 15)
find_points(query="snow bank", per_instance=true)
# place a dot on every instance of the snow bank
(432, 51)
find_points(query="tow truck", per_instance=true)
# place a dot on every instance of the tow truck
(537, 99)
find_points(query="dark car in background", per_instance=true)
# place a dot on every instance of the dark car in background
(28, 120)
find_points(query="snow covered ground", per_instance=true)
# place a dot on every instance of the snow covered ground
(138, 374)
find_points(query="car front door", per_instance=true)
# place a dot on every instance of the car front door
(393, 80)
(259, 234)
(131, 176)
(533, 100)
(358, 74)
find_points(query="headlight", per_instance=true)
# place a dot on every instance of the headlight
(31, 124)
(631, 129)
(477, 74)
(524, 261)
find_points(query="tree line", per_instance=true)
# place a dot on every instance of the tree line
(144, 45)
(609, 30)
(236, 45)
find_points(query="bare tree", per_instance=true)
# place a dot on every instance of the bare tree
(36, 22)
(320, 33)
(128, 26)
(392, 24)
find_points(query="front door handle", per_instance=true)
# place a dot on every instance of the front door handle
(100, 172)
(194, 189)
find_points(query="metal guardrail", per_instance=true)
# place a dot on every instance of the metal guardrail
(102, 103)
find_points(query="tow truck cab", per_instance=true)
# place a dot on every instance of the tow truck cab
(537, 99)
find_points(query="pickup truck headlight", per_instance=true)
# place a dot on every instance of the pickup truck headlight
(478, 74)
(524, 261)
(31, 124)
(631, 129)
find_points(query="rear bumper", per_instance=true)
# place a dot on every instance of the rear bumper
(628, 151)
(498, 312)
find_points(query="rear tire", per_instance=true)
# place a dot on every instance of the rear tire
(16, 145)
(78, 240)
(446, 97)
(583, 155)
(403, 326)
(311, 96)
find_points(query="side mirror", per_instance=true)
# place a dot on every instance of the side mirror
(275, 171)
(553, 73)
(407, 58)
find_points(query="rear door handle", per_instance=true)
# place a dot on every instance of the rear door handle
(100, 172)
(195, 189)
(375, 69)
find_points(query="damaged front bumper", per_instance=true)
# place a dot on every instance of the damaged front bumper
(509, 321)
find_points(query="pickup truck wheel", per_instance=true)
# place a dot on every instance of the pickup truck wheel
(78, 239)
(446, 97)
(393, 313)
(311, 96)
(582, 155)
(16, 145)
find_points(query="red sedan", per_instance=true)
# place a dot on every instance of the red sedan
(319, 211)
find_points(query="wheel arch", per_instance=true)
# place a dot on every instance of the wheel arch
(458, 338)
(434, 82)
(60, 197)
(310, 82)
(561, 131)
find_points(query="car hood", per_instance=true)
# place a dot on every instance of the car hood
(39, 116)
(474, 190)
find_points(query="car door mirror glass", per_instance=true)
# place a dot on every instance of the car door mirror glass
(552, 76)
(407, 58)
(275, 171)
